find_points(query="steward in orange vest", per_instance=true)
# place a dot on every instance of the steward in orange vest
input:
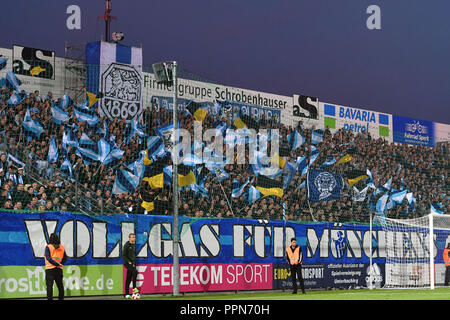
(294, 256)
(55, 257)
(446, 257)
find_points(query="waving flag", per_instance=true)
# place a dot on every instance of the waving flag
(269, 186)
(59, 115)
(295, 140)
(316, 137)
(3, 62)
(238, 189)
(345, 159)
(132, 129)
(218, 170)
(253, 194)
(359, 196)
(12, 81)
(398, 196)
(196, 111)
(329, 162)
(84, 114)
(14, 99)
(381, 203)
(69, 139)
(65, 102)
(32, 127)
(433, 210)
(52, 151)
(323, 185)
(125, 182)
(66, 166)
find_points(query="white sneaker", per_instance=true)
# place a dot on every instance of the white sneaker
(127, 296)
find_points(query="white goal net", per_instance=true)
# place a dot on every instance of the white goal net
(408, 247)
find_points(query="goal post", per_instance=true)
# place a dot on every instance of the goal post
(414, 250)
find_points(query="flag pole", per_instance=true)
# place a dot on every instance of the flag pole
(226, 198)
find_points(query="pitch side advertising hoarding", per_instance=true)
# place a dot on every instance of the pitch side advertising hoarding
(215, 254)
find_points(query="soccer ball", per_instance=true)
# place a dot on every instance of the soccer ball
(136, 296)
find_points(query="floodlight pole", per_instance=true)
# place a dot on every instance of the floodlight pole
(176, 270)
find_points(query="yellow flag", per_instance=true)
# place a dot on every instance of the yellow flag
(238, 123)
(353, 181)
(186, 180)
(345, 159)
(155, 182)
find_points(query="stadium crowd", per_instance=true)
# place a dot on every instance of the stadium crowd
(421, 170)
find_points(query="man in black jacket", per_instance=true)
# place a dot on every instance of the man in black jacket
(129, 261)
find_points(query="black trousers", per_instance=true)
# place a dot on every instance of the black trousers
(131, 277)
(51, 276)
(447, 275)
(296, 271)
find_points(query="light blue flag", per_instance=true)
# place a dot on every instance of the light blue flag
(65, 102)
(131, 130)
(155, 147)
(388, 185)
(14, 99)
(69, 139)
(3, 62)
(32, 127)
(84, 114)
(52, 156)
(125, 182)
(295, 140)
(238, 189)
(218, 170)
(253, 194)
(66, 166)
(59, 115)
(13, 81)
(398, 196)
(434, 210)
(316, 137)
(381, 203)
(329, 162)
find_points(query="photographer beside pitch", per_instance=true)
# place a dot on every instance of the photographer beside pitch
(129, 262)
(294, 256)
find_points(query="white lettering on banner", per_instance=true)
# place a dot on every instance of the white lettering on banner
(344, 243)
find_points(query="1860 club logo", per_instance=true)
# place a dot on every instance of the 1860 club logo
(121, 86)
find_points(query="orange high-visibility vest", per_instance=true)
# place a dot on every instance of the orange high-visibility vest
(446, 256)
(55, 254)
(294, 257)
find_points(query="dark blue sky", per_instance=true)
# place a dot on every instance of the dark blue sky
(315, 47)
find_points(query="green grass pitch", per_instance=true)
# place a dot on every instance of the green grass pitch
(352, 294)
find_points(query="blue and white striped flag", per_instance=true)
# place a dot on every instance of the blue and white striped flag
(125, 182)
(238, 189)
(84, 114)
(329, 162)
(14, 99)
(66, 166)
(398, 196)
(59, 115)
(253, 194)
(434, 210)
(155, 147)
(316, 137)
(3, 62)
(32, 128)
(284, 211)
(295, 140)
(52, 151)
(69, 139)
(381, 203)
(13, 81)
(65, 102)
